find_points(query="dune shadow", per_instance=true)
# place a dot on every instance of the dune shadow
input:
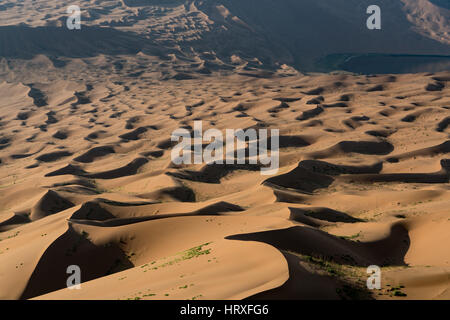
(388, 251)
(324, 214)
(11, 223)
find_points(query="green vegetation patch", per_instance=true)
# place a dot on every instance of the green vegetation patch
(191, 253)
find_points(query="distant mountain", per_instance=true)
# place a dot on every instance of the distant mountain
(308, 35)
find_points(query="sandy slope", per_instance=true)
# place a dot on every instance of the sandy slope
(86, 178)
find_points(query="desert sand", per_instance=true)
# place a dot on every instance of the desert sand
(87, 179)
(363, 181)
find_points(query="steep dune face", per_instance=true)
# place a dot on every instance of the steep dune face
(26, 42)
